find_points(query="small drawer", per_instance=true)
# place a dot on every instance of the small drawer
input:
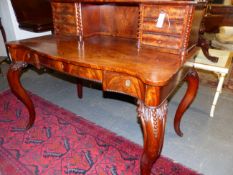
(163, 26)
(172, 12)
(172, 27)
(122, 83)
(66, 29)
(64, 19)
(63, 8)
(169, 42)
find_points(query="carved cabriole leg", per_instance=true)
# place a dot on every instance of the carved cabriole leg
(193, 82)
(13, 77)
(153, 121)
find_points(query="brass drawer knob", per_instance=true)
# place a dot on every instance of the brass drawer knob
(127, 83)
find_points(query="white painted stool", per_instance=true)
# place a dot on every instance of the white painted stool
(221, 68)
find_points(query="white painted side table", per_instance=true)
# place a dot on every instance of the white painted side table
(221, 68)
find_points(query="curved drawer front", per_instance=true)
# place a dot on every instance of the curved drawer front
(86, 73)
(74, 70)
(40, 61)
(123, 83)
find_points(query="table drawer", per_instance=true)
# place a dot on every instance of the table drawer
(123, 84)
(28, 56)
(86, 73)
(53, 64)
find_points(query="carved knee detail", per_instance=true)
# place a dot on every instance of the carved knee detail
(153, 114)
(18, 65)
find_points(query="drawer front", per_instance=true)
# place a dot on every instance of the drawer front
(66, 29)
(53, 64)
(65, 19)
(74, 70)
(165, 26)
(165, 41)
(123, 84)
(172, 27)
(28, 56)
(63, 8)
(173, 12)
(86, 73)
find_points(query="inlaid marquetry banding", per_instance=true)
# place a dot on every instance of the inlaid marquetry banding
(153, 114)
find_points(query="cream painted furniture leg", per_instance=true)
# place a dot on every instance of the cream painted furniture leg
(219, 90)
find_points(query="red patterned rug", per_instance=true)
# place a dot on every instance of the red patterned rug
(61, 142)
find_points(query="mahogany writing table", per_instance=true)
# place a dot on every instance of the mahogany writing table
(127, 52)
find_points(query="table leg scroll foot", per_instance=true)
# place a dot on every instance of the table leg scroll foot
(193, 82)
(13, 76)
(205, 45)
(153, 121)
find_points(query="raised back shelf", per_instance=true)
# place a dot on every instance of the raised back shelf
(105, 19)
(177, 33)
